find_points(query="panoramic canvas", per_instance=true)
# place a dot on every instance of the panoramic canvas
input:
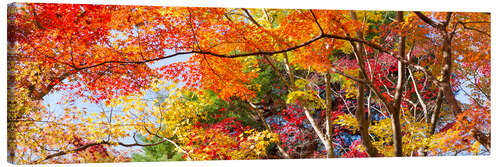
(116, 83)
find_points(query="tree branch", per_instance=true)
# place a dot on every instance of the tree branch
(268, 127)
(81, 148)
(474, 29)
(419, 96)
(373, 45)
(250, 17)
(427, 20)
(317, 23)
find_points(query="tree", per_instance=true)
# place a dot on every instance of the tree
(337, 80)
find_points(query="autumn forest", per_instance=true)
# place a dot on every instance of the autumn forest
(107, 83)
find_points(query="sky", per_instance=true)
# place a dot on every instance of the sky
(53, 98)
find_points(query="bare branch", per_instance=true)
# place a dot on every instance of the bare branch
(81, 148)
(473, 29)
(268, 127)
(334, 70)
(317, 23)
(448, 18)
(250, 17)
(419, 96)
(427, 20)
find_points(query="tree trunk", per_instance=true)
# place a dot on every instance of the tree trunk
(396, 123)
(363, 122)
(324, 139)
(328, 121)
